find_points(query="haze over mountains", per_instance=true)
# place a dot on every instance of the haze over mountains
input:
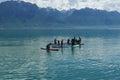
(14, 14)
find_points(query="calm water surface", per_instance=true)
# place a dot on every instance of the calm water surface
(22, 59)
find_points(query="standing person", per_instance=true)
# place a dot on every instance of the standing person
(68, 41)
(62, 43)
(58, 43)
(72, 42)
(80, 40)
(55, 41)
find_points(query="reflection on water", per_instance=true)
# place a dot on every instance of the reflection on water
(97, 59)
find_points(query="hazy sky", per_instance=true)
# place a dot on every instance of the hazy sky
(110, 5)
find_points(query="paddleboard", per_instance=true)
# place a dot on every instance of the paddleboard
(57, 46)
(51, 49)
(77, 45)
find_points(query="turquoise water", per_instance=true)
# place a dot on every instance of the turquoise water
(22, 59)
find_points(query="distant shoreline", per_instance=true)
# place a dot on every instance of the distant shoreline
(66, 28)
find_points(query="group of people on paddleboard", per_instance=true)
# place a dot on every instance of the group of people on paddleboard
(71, 42)
(58, 42)
(74, 41)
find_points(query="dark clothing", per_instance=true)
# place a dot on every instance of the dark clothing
(79, 41)
(68, 41)
(48, 47)
(58, 42)
(62, 43)
(73, 42)
(55, 41)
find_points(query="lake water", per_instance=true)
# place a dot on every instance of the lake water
(22, 59)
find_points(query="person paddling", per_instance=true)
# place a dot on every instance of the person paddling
(73, 41)
(61, 43)
(68, 41)
(55, 41)
(48, 46)
(79, 41)
(58, 43)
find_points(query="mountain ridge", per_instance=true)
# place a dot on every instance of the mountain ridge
(14, 14)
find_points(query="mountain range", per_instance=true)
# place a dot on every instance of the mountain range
(14, 14)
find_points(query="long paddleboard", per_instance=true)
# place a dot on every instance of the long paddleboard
(51, 49)
(57, 46)
(77, 45)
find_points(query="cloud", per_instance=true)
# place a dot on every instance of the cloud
(2, 0)
(110, 5)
